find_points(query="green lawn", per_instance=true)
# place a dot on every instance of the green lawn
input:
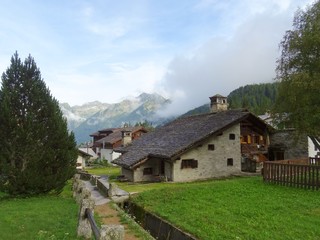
(112, 172)
(43, 217)
(239, 208)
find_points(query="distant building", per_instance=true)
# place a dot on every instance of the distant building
(106, 140)
(83, 158)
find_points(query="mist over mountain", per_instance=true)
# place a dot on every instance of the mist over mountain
(91, 117)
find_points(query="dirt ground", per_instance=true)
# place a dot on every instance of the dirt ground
(109, 215)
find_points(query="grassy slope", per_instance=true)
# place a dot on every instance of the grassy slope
(242, 208)
(44, 217)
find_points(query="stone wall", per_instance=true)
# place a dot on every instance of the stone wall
(212, 163)
(83, 197)
(128, 174)
(156, 226)
(287, 144)
(153, 163)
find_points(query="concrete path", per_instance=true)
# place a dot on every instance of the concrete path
(98, 198)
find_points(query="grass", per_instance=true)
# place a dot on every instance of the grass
(239, 208)
(41, 217)
(133, 227)
(111, 171)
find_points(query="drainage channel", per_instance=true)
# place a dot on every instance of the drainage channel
(157, 227)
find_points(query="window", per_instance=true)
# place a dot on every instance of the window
(232, 136)
(230, 162)
(210, 147)
(147, 171)
(189, 163)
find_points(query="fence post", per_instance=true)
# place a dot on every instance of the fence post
(84, 227)
(112, 232)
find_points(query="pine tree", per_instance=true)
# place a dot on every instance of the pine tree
(38, 154)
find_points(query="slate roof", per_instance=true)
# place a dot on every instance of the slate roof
(116, 135)
(88, 151)
(84, 153)
(111, 138)
(179, 135)
(102, 131)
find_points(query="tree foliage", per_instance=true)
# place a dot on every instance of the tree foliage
(38, 153)
(145, 124)
(298, 71)
(258, 98)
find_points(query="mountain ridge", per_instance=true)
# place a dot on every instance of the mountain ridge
(90, 117)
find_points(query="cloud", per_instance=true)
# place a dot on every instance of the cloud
(185, 50)
(223, 64)
(118, 80)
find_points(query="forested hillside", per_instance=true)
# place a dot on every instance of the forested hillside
(258, 98)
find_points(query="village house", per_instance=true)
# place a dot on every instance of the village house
(82, 159)
(106, 140)
(197, 147)
(287, 143)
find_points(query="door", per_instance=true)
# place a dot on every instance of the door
(161, 167)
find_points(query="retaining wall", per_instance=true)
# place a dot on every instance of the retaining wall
(158, 228)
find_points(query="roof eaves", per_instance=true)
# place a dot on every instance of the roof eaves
(141, 161)
(85, 153)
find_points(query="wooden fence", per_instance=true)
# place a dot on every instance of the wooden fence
(301, 173)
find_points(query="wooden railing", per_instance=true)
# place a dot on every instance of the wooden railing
(94, 226)
(86, 223)
(302, 173)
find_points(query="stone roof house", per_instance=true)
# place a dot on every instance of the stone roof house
(196, 147)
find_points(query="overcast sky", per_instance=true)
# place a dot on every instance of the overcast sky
(186, 50)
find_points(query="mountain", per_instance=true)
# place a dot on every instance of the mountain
(78, 114)
(205, 108)
(90, 117)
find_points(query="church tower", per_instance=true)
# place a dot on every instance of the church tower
(218, 103)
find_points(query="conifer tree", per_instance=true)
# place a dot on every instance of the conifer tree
(38, 154)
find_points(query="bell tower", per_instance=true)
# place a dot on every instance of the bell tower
(218, 103)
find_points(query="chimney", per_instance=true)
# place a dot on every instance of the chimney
(126, 137)
(218, 103)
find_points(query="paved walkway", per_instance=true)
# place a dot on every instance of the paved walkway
(98, 198)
